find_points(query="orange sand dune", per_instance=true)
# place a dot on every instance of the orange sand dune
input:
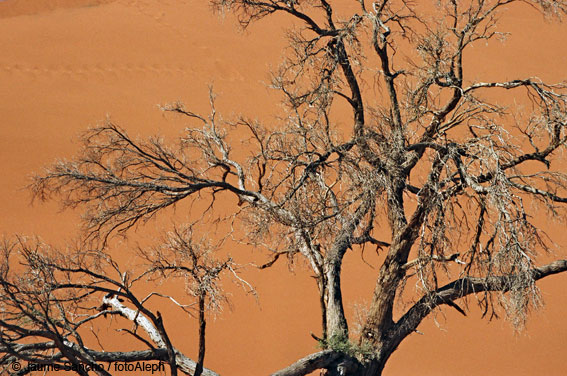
(66, 64)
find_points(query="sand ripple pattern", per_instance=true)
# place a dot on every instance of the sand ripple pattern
(164, 14)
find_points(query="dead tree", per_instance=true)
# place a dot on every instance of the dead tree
(430, 172)
(51, 301)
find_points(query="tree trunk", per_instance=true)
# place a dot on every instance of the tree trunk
(336, 324)
(202, 344)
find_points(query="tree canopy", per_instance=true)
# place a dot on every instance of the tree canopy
(386, 144)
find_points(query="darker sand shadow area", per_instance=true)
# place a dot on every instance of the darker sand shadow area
(14, 8)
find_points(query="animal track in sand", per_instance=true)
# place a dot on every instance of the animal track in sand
(99, 69)
(145, 8)
(115, 70)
